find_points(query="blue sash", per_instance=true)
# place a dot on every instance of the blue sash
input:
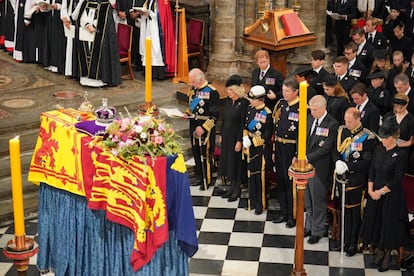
(253, 123)
(347, 153)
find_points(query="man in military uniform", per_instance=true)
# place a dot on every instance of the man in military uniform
(353, 156)
(257, 132)
(270, 78)
(342, 74)
(286, 117)
(203, 113)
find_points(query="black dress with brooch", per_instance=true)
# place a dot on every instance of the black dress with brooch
(231, 132)
(385, 219)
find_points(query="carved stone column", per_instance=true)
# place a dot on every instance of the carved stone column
(223, 59)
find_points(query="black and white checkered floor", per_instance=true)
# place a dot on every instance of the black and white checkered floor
(234, 241)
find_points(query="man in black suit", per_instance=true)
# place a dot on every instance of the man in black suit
(365, 50)
(408, 19)
(376, 39)
(347, 10)
(402, 85)
(355, 67)
(341, 73)
(370, 115)
(317, 62)
(322, 133)
(268, 77)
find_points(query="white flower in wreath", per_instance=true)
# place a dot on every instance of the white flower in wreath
(138, 129)
(143, 135)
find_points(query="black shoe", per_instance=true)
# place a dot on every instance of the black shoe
(258, 211)
(307, 234)
(386, 261)
(232, 198)
(198, 183)
(202, 187)
(227, 194)
(280, 219)
(313, 239)
(351, 251)
(290, 223)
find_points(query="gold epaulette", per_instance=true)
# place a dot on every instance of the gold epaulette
(208, 124)
(276, 111)
(371, 134)
(212, 87)
(268, 111)
(190, 94)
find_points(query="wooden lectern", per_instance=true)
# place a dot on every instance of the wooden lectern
(182, 53)
(280, 32)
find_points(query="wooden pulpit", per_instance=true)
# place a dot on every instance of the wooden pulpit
(279, 31)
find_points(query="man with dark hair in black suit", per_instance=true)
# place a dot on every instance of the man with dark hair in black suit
(317, 62)
(408, 19)
(322, 133)
(268, 77)
(370, 115)
(347, 10)
(365, 50)
(355, 67)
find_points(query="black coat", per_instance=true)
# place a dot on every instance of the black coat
(370, 117)
(404, 44)
(347, 82)
(231, 133)
(379, 40)
(359, 71)
(319, 146)
(317, 81)
(336, 107)
(381, 98)
(366, 55)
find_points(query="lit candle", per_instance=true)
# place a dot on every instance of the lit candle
(303, 91)
(148, 70)
(17, 189)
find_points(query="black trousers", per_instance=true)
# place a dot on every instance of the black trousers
(284, 154)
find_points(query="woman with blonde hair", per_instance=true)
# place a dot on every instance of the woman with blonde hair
(336, 97)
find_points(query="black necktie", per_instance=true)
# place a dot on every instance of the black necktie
(315, 126)
(370, 39)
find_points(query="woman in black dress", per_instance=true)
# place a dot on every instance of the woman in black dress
(384, 224)
(405, 122)
(336, 97)
(230, 164)
(377, 93)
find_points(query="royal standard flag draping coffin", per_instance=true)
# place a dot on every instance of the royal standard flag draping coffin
(63, 170)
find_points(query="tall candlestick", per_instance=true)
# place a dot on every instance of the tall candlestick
(148, 71)
(17, 189)
(303, 91)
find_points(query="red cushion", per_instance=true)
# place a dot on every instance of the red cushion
(123, 35)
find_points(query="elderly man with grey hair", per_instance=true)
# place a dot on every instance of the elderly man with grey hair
(322, 133)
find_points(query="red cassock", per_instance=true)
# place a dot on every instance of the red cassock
(167, 26)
